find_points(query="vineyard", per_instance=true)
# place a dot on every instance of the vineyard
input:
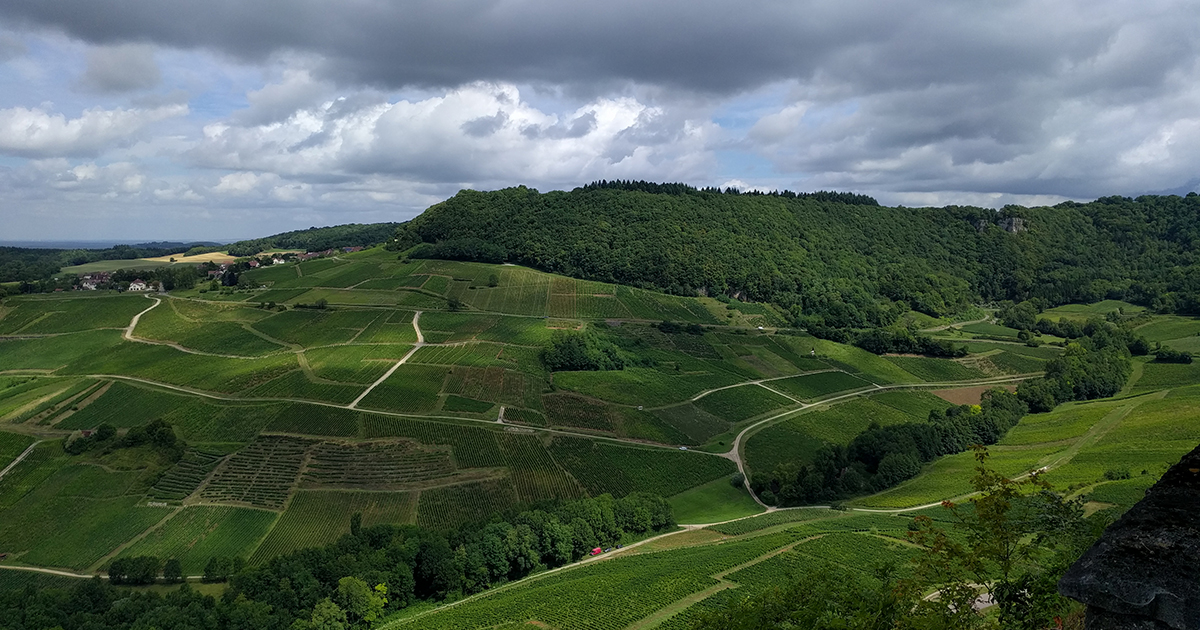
(771, 519)
(262, 474)
(411, 388)
(534, 473)
(473, 446)
(379, 465)
(182, 479)
(568, 410)
(318, 517)
(316, 420)
(619, 470)
(197, 534)
(455, 505)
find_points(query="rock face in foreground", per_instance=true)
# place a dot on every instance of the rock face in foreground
(1144, 572)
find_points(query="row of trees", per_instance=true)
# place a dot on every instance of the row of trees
(368, 573)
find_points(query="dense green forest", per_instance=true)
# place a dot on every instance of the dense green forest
(830, 260)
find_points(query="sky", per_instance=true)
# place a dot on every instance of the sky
(228, 119)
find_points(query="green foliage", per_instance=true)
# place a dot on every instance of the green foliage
(574, 351)
(875, 260)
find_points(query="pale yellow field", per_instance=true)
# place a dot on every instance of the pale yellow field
(217, 257)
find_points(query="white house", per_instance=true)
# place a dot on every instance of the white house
(138, 285)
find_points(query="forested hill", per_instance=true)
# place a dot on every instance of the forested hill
(840, 259)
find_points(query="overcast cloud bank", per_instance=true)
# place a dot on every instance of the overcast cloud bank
(227, 119)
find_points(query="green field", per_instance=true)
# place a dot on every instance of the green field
(800, 436)
(936, 370)
(713, 502)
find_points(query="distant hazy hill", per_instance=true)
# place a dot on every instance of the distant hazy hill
(318, 239)
(839, 257)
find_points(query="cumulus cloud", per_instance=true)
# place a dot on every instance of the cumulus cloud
(38, 133)
(123, 68)
(478, 133)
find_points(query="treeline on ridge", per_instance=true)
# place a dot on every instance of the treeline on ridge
(829, 261)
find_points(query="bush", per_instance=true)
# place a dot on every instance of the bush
(1166, 355)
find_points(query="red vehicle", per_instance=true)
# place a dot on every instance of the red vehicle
(597, 551)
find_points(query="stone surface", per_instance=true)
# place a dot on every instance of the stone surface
(1146, 566)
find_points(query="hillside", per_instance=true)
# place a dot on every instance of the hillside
(221, 426)
(851, 264)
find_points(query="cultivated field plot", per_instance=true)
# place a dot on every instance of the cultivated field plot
(1166, 375)
(53, 513)
(626, 589)
(819, 385)
(124, 405)
(12, 445)
(319, 517)
(535, 475)
(182, 479)
(742, 403)
(937, 370)
(261, 475)
(1083, 312)
(619, 470)
(44, 315)
(411, 388)
(650, 386)
(459, 504)
(57, 352)
(299, 385)
(311, 328)
(44, 401)
(361, 365)
(197, 534)
(206, 327)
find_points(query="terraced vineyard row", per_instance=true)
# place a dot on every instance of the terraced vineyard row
(378, 465)
(261, 474)
(185, 476)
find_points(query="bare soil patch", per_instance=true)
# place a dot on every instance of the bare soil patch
(968, 395)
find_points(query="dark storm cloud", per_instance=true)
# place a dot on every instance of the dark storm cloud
(121, 68)
(703, 45)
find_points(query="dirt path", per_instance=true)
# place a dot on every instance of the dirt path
(23, 455)
(417, 346)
